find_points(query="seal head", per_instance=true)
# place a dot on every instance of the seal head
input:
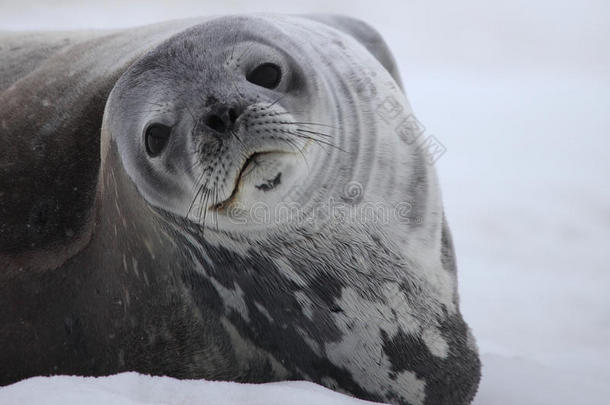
(210, 121)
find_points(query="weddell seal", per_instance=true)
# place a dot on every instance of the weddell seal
(231, 198)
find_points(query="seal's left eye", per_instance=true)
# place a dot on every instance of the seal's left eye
(267, 75)
(157, 136)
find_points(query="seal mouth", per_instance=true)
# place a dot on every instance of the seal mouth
(246, 168)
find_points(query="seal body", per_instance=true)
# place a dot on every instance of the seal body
(231, 198)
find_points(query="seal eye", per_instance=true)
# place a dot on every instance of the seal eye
(267, 75)
(157, 136)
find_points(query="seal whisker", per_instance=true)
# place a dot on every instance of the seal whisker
(314, 132)
(296, 147)
(309, 123)
(244, 52)
(276, 101)
(215, 201)
(234, 133)
(196, 150)
(291, 112)
(196, 163)
(191, 113)
(252, 162)
(199, 188)
(238, 92)
(204, 202)
(315, 140)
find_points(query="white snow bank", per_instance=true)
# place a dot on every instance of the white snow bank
(506, 380)
(136, 389)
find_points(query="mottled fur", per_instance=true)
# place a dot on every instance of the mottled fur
(106, 268)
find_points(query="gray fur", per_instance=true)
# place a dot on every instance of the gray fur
(120, 272)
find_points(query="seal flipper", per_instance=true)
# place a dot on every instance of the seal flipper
(366, 35)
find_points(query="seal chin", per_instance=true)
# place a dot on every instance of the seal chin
(265, 186)
(260, 170)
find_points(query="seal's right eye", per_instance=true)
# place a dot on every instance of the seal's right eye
(156, 138)
(267, 75)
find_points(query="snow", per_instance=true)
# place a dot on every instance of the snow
(136, 389)
(519, 95)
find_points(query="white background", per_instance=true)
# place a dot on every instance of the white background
(519, 93)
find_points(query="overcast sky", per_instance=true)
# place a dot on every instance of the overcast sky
(546, 34)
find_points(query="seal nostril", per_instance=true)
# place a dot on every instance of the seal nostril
(221, 118)
(216, 123)
(232, 115)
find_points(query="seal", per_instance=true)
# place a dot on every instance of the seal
(233, 198)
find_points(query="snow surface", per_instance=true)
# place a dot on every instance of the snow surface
(136, 389)
(519, 93)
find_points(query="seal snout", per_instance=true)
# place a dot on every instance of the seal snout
(248, 155)
(222, 118)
